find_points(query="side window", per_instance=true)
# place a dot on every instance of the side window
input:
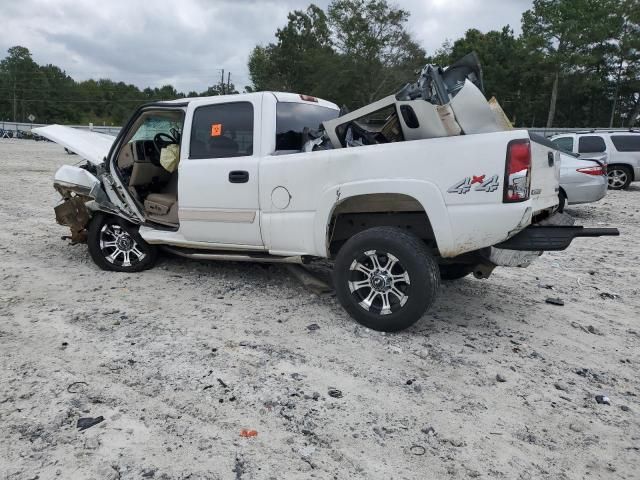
(221, 131)
(591, 144)
(626, 143)
(564, 143)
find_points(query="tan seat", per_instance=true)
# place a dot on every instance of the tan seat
(163, 207)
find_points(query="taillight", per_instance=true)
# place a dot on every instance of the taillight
(599, 170)
(517, 179)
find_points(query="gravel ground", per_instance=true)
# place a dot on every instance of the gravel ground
(492, 383)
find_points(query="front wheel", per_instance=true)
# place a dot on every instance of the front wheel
(386, 278)
(619, 177)
(115, 244)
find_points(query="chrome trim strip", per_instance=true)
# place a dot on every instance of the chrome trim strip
(214, 215)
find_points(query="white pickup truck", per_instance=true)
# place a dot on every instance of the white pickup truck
(226, 177)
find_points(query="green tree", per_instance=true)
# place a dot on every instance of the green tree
(20, 79)
(379, 54)
(571, 36)
(301, 58)
(355, 53)
(626, 65)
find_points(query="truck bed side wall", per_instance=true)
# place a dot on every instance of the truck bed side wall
(423, 169)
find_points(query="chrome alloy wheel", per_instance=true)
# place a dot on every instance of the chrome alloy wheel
(617, 178)
(118, 247)
(379, 282)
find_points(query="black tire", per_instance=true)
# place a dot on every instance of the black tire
(102, 255)
(562, 201)
(411, 298)
(619, 177)
(455, 271)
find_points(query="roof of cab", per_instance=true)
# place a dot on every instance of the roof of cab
(280, 97)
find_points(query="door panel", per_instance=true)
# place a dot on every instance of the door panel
(218, 176)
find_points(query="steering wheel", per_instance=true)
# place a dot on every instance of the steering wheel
(159, 141)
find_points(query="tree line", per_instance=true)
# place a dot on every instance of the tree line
(52, 96)
(575, 64)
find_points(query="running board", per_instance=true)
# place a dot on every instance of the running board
(230, 256)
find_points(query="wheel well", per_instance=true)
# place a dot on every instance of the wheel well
(628, 168)
(361, 212)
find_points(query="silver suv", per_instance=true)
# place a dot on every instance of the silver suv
(622, 149)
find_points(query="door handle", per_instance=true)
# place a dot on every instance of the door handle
(550, 158)
(238, 176)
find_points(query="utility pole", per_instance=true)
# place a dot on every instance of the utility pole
(15, 103)
(222, 82)
(229, 82)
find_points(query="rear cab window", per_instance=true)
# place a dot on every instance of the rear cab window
(293, 117)
(626, 143)
(591, 144)
(222, 130)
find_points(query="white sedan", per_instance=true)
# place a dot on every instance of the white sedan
(582, 180)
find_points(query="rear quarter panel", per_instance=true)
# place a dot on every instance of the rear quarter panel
(444, 174)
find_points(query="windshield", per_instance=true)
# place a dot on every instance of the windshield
(154, 124)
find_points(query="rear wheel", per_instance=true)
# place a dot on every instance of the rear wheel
(619, 177)
(386, 278)
(115, 244)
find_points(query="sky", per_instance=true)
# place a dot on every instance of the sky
(186, 43)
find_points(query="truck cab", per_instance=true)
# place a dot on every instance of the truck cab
(213, 195)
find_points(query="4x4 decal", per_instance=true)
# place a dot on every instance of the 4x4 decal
(489, 185)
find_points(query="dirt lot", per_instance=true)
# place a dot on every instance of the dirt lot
(179, 359)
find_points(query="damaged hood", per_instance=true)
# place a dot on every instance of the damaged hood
(91, 146)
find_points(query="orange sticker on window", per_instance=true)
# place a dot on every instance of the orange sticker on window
(216, 129)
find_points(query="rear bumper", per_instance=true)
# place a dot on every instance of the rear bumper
(552, 237)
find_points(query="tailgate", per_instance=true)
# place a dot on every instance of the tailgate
(545, 174)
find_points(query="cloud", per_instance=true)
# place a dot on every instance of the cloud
(186, 43)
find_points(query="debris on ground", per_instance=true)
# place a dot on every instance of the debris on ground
(312, 327)
(609, 296)
(222, 383)
(88, 422)
(500, 378)
(603, 400)
(334, 393)
(417, 450)
(71, 387)
(428, 431)
(555, 301)
(248, 433)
